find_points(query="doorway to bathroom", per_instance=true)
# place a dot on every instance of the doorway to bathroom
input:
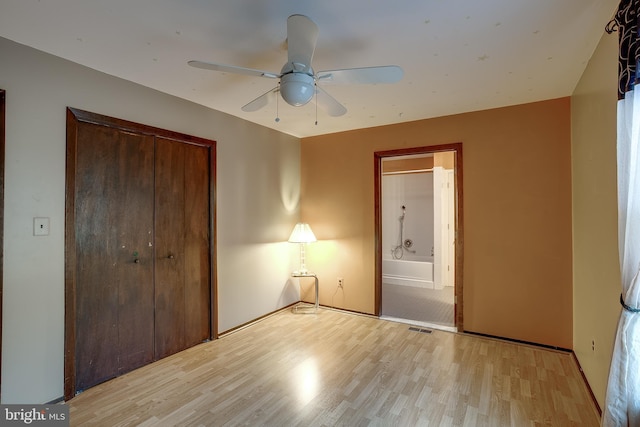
(419, 236)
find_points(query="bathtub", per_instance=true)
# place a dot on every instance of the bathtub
(417, 273)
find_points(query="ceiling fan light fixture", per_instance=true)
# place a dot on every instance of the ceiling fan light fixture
(297, 88)
(297, 84)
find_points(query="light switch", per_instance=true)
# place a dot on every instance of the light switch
(40, 226)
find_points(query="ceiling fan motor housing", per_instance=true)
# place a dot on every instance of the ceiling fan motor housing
(297, 88)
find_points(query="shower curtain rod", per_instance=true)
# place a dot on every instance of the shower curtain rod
(407, 171)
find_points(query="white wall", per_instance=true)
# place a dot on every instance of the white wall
(415, 192)
(258, 185)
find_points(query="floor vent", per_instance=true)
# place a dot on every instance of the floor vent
(424, 331)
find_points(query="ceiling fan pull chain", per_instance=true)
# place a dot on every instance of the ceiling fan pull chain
(316, 91)
(277, 113)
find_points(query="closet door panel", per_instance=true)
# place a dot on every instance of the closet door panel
(170, 255)
(197, 236)
(135, 247)
(114, 302)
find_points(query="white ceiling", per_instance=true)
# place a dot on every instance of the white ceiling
(457, 55)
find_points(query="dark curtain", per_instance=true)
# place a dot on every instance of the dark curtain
(626, 23)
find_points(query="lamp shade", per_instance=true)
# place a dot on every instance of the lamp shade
(302, 234)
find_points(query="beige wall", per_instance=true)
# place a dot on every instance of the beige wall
(596, 273)
(446, 159)
(407, 164)
(517, 215)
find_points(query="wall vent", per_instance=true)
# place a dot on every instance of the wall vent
(424, 331)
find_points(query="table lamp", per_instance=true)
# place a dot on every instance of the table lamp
(302, 234)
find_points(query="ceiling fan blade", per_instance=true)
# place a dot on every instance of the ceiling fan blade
(367, 75)
(259, 102)
(302, 34)
(233, 69)
(329, 103)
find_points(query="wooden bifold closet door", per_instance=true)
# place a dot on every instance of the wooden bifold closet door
(139, 282)
(182, 246)
(114, 253)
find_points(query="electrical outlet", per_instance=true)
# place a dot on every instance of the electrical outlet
(340, 282)
(593, 345)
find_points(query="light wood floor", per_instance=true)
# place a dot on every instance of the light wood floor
(335, 368)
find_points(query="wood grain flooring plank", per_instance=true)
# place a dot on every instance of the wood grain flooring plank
(342, 369)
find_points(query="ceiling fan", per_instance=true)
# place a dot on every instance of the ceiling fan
(298, 81)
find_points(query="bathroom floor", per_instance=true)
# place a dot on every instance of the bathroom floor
(418, 304)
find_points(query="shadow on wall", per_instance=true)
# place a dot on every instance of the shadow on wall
(290, 292)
